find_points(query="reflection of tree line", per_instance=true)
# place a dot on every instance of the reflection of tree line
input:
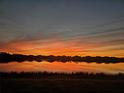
(6, 57)
(55, 75)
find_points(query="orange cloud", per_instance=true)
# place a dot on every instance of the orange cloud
(59, 47)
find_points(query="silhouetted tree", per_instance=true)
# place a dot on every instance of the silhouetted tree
(6, 57)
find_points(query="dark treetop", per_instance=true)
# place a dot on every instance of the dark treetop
(6, 57)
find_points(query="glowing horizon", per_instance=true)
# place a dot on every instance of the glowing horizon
(61, 48)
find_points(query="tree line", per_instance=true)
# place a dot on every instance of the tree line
(56, 75)
(7, 57)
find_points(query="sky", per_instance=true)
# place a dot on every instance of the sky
(62, 27)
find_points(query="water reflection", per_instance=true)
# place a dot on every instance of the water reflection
(62, 67)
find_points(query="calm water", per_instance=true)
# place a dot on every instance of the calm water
(62, 67)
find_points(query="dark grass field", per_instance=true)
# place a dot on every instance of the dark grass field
(61, 86)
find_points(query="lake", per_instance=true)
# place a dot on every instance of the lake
(62, 67)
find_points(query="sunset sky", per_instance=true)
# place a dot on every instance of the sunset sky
(62, 27)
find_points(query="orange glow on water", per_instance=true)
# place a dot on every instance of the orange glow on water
(63, 67)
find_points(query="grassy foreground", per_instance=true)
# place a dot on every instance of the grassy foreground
(61, 86)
